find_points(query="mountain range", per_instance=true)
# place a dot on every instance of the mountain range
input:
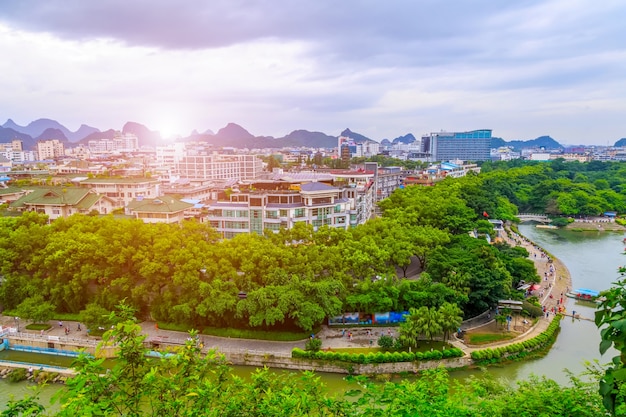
(232, 135)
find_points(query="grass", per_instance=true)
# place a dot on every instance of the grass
(38, 326)
(56, 316)
(485, 338)
(281, 336)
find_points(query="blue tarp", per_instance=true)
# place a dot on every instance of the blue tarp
(585, 291)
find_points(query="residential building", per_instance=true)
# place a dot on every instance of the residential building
(254, 210)
(5, 164)
(121, 142)
(201, 190)
(9, 194)
(215, 166)
(50, 149)
(170, 155)
(474, 145)
(388, 180)
(59, 202)
(123, 190)
(14, 145)
(158, 210)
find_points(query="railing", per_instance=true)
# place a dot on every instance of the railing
(47, 351)
(55, 339)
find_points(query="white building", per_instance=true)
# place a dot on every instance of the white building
(216, 166)
(50, 149)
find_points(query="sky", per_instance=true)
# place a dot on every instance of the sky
(383, 69)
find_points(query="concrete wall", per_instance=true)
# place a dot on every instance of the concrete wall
(317, 365)
(50, 346)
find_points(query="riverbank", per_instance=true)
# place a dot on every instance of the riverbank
(597, 225)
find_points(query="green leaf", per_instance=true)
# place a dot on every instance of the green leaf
(620, 374)
(604, 346)
(619, 324)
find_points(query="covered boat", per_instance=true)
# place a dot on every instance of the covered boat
(583, 294)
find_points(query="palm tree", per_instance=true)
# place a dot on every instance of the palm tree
(451, 318)
(424, 322)
(431, 323)
(409, 329)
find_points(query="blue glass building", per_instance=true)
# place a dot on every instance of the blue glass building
(474, 145)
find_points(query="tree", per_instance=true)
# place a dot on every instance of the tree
(95, 316)
(611, 319)
(451, 318)
(36, 309)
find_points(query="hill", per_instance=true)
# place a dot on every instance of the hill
(7, 134)
(38, 127)
(542, 141)
(620, 143)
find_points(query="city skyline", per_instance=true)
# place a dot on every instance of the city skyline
(524, 70)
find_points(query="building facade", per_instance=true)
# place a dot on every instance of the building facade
(123, 190)
(50, 149)
(474, 145)
(216, 167)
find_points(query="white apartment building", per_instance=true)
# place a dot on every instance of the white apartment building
(314, 203)
(80, 152)
(168, 156)
(19, 156)
(215, 167)
(121, 142)
(50, 149)
(340, 199)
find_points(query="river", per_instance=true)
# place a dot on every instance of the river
(592, 259)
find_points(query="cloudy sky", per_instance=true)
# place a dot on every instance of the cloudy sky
(523, 68)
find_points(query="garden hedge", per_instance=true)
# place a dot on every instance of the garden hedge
(377, 357)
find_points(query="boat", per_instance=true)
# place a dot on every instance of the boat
(584, 294)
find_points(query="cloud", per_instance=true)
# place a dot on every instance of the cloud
(274, 66)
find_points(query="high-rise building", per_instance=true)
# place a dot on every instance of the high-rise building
(50, 149)
(474, 145)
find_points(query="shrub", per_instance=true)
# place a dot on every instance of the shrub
(436, 354)
(17, 375)
(533, 310)
(385, 342)
(313, 344)
(419, 356)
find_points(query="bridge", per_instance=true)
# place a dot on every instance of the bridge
(533, 217)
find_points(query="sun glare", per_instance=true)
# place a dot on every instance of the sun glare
(168, 129)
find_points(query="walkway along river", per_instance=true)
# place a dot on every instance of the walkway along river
(592, 259)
